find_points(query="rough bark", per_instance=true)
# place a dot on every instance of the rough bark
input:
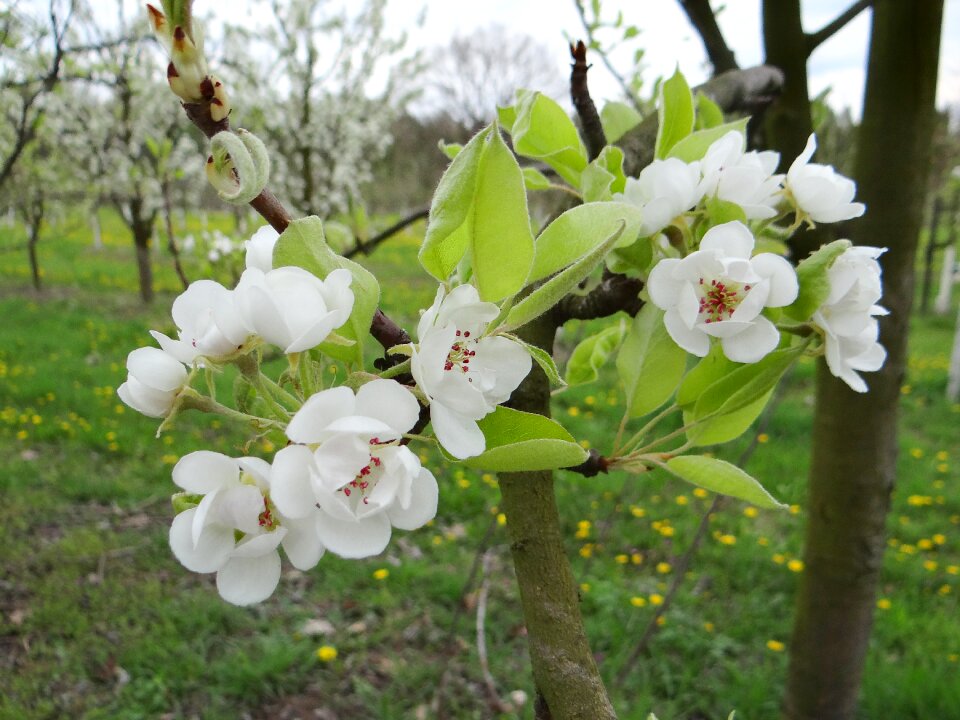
(567, 679)
(36, 220)
(704, 21)
(853, 464)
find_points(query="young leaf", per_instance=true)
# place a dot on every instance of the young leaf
(725, 427)
(721, 477)
(675, 113)
(618, 119)
(552, 291)
(650, 363)
(451, 211)
(604, 176)
(501, 243)
(535, 180)
(542, 130)
(814, 281)
(480, 211)
(303, 244)
(709, 114)
(542, 358)
(518, 441)
(592, 352)
(579, 231)
(695, 145)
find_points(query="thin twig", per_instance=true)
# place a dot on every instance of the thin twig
(704, 21)
(580, 94)
(683, 563)
(367, 246)
(814, 40)
(625, 86)
(493, 697)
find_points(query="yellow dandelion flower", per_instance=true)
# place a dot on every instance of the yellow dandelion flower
(762, 541)
(638, 512)
(586, 551)
(795, 566)
(779, 559)
(381, 574)
(656, 599)
(775, 646)
(916, 453)
(682, 500)
(638, 601)
(939, 539)
(326, 653)
(750, 511)
(636, 558)
(953, 569)
(664, 567)
(501, 519)
(727, 539)
(944, 590)
(708, 626)
(622, 559)
(763, 438)
(700, 493)
(884, 603)
(573, 411)
(584, 587)
(942, 455)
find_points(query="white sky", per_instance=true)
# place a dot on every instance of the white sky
(666, 36)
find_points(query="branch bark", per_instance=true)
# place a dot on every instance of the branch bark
(814, 40)
(590, 125)
(704, 21)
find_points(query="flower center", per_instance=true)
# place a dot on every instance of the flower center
(719, 298)
(460, 353)
(366, 480)
(268, 519)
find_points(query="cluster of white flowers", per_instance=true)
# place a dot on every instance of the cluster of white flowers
(721, 289)
(345, 479)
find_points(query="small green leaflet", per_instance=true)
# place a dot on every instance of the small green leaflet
(721, 477)
(675, 114)
(618, 119)
(519, 441)
(650, 363)
(812, 273)
(542, 130)
(695, 145)
(592, 353)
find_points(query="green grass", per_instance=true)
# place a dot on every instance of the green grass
(97, 620)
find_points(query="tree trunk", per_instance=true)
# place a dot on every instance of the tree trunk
(929, 256)
(788, 122)
(171, 238)
(144, 269)
(852, 470)
(36, 220)
(568, 682)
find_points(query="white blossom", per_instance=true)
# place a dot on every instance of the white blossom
(293, 308)
(208, 324)
(664, 190)
(154, 378)
(236, 501)
(819, 191)
(260, 248)
(745, 178)
(463, 374)
(719, 291)
(348, 462)
(848, 316)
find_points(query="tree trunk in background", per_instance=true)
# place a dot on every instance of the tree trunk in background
(855, 436)
(568, 683)
(36, 220)
(788, 122)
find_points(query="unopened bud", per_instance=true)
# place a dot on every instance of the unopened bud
(220, 103)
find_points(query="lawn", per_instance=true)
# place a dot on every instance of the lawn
(97, 620)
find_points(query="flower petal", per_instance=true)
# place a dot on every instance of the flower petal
(423, 503)
(389, 402)
(459, 435)
(209, 553)
(204, 471)
(310, 422)
(692, 340)
(783, 278)
(156, 369)
(753, 343)
(249, 580)
(355, 539)
(302, 542)
(290, 488)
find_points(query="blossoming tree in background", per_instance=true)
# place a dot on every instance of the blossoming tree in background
(690, 249)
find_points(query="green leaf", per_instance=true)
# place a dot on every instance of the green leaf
(507, 116)
(480, 211)
(552, 291)
(675, 113)
(303, 244)
(592, 353)
(721, 477)
(518, 441)
(709, 370)
(604, 176)
(618, 119)
(695, 145)
(723, 211)
(542, 130)
(579, 231)
(814, 280)
(535, 180)
(543, 359)
(650, 363)
(744, 388)
(709, 114)
(451, 150)
(451, 211)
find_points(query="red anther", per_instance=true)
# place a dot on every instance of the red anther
(465, 334)
(458, 333)
(346, 491)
